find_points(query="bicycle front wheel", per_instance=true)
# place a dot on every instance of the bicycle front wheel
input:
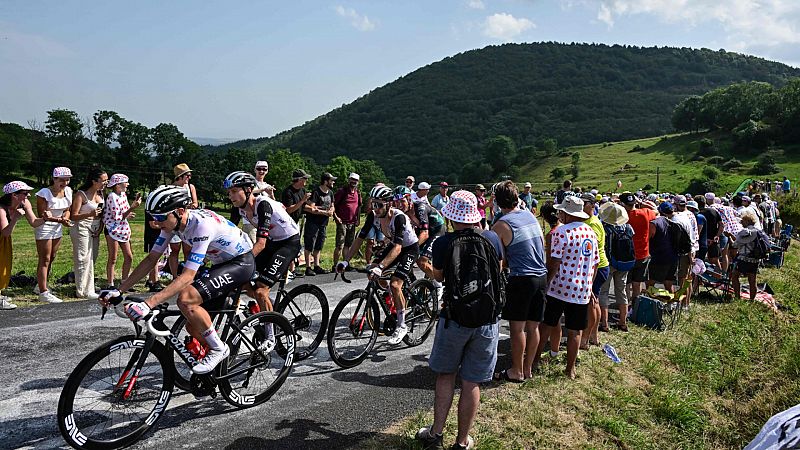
(422, 310)
(105, 405)
(306, 308)
(256, 370)
(353, 329)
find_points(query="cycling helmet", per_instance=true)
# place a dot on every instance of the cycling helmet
(381, 193)
(402, 191)
(166, 199)
(239, 179)
(494, 186)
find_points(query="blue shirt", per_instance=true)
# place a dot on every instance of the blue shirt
(441, 244)
(787, 185)
(701, 222)
(525, 252)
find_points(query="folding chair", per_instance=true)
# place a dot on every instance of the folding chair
(716, 282)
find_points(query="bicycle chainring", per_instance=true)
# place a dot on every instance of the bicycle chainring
(203, 386)
(389, 324)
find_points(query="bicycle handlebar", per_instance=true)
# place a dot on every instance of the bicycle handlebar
(152, 329)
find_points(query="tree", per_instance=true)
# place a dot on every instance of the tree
(370, 173)
(685, 116)
(167, 144)
(133, 155)
(575, 168)
(765, 165)
(107, 125)
(558, 174)
(500, 152)
(550, 146)
(282, 163)
(341, 167)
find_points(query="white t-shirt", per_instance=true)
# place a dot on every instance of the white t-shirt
(575, 244)
(688, 221)
(56, 205)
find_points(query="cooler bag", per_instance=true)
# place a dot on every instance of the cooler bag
(648, 312)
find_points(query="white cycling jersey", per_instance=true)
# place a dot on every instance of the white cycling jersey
(271, 219)
(400, 231)
(211, 236)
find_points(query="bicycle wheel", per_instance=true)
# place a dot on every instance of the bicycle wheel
(306, 308)
(353, 329)
(421, 311)
(104, 406)
(250, 376)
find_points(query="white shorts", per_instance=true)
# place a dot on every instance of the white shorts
(48, 230)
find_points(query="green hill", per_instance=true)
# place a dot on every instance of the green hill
(438, 118)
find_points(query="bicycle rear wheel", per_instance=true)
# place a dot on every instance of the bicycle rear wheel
(422, 311)
(103, 405)
(306, 308)
(251, 375)
(353, 329)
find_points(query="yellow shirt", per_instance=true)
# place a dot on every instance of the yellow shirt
(597, 226)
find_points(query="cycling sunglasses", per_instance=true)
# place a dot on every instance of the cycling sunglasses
(161, 217)
(378, 205)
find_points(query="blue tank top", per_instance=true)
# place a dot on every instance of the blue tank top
(525, 254)
(661, 251)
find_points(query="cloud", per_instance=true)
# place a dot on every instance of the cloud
(505, 26)
(748, 23)
(358, 21)
(476, 4)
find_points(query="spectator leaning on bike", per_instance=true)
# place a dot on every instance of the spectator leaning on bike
(459, 350)
(13, 204)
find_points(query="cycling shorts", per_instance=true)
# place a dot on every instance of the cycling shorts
(273, 262)
(426, 251)
(221, 279)
(404, 263)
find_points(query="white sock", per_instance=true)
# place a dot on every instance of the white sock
(213, 340)
(553, 354)
(269, 331)
(437, 284)
(401, 318)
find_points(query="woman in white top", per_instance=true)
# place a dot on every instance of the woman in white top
(86, 212)
(52, 204)
(118, 230)
(13, 205)
(183, 174)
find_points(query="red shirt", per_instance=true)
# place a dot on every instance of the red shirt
(639, 220)
(346, 203)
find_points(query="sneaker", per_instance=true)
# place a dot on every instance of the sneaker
(36, 290)
(267, 346)
(320, 271)
(470, 444)
(428, 439)
(92, 296)
(212, 359)
(297, 273)
(398, 335)
(310, 272)
(5, 303)
(48, 297)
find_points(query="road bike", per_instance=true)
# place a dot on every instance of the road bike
(356, 321)
(121, 389)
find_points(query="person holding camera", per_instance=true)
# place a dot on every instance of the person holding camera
(86, 211)
(118, 230)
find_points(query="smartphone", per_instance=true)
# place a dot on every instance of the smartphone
(138, 196)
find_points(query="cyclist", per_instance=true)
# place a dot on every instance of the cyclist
(277, 239)
(211, 237)
(402, 250)
(429, 225)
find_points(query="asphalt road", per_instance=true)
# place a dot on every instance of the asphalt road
(319, 407)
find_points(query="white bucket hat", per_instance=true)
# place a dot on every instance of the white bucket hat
(462, 208)
(613, 214)
(573, 206)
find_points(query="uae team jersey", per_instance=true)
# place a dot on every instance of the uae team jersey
(211, 236)
(400, 231)
(575, 244)
(271, 220)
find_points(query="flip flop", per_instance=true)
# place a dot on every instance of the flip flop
(503, 376)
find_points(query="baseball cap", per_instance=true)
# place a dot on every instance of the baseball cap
(423, 186)
(588, 197)
(745, 198)
(680, 199)
(328, 176)
(62, 172)
(262, 164)
(527, 185)
(353, 176)
(710, 197)
(480, 187)
(300, 173)
(16, 186)
(665, 208)
(444, 184)
(627, 198)
(410, 178)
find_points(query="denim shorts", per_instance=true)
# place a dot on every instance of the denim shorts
(375, 234)
(470, 352)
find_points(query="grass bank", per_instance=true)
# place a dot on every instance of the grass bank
(710, 383)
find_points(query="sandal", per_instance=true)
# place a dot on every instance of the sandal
(503, 376)
(603, 328)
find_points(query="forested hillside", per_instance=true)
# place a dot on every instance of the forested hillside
(439, 118)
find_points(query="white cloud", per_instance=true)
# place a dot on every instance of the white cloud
(505, 26)
(476, 4)
(360, 22)
(748, 23)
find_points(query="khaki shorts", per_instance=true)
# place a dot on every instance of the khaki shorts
(345, 234)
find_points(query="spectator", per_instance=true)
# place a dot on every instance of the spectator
(52, 204)
(550, 215)
(261, 171)
(319, 210)
(589, 335)
(714, 227)
(663, 259)
(480, 192)
(13, 205)
(523, 250)
(747, 204)
(347, 205)
(151, 232)
(787, 185)
(569, 289)
(294, 198)
(441, 199)
(86, 212)
(527, 197)
(422, 193)
(566, 187)
(686, 219)
(639, 219)
(182, 177)
(616, 227)
(745, 264)
(731, 227)
(410, 182)
(375, 235)
(470, 353)
(118, 229)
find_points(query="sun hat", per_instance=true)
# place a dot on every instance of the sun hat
(16, 186)
(710, 197)
(462, 208)
(423, 186)
(300, 173)
(62, 172)
(573, 206)
(613, 213)
(665, 208)
(691, 204)
(410, 178)
(261, 164)
(116, 179)
(353, 176)
(181, 170)
(528, 184)
(480, 187)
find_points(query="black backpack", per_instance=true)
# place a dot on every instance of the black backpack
(761, 247)
(681, 242)
(474, 289)
(620, 251)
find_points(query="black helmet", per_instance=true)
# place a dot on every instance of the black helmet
(166, 199)
(239, 179)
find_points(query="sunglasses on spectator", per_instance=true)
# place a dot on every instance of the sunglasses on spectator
(378, 205)
(161, 217)
(261, 169)
(409, 181)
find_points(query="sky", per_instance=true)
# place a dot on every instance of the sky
(249, 69)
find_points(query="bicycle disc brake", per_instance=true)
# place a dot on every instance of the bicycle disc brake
(203, 386)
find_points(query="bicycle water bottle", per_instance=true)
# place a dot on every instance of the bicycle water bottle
(387, 297)
(253, 307)
(197, 349)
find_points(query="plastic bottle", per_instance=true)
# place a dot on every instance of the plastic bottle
(387, 297)
(194, 346)
(253, 307)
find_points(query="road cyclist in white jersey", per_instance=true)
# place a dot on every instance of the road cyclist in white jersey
(402, 249)
(211, 238)
(277, 239)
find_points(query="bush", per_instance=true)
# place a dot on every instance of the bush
(648, 187)
(701, 186)
(765, 165)
(706, 142)
(711, 173)
(718, 160)
(732, 164)
(638, 148)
